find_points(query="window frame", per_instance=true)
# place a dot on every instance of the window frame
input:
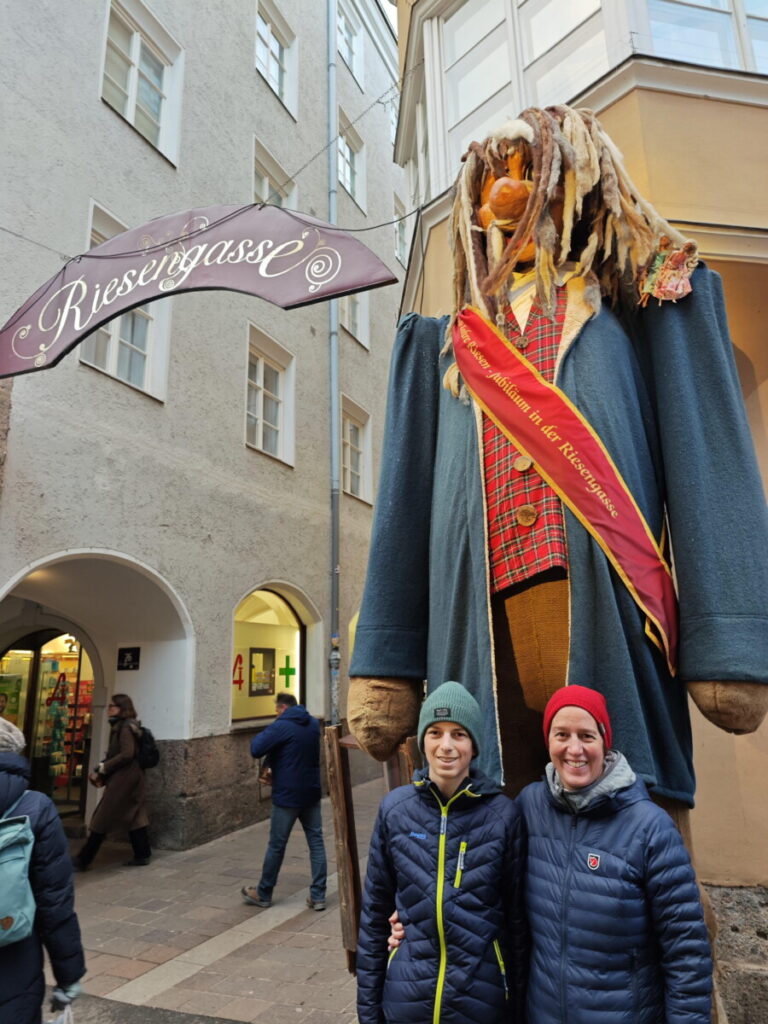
(281, 190)
(103, 225)
(288, 94)
(401, 231)
(273, 354)
(354, 59)
(354, 414)
(360, 331)
(346, 135)
(146, 31)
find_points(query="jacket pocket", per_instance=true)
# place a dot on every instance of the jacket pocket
(460, 865)
(502, 968)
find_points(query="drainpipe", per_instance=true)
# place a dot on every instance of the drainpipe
(334, 656)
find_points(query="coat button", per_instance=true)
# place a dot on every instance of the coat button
(522, 463)
(526, 515)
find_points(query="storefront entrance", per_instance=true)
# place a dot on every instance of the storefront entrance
(46, 689)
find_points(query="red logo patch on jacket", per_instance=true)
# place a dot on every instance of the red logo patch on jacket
(593, 861)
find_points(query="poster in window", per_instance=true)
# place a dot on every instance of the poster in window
(261, 676)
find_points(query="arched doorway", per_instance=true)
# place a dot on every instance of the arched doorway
(46, 689)
(269, 654)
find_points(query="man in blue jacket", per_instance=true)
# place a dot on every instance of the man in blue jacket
(293, 744)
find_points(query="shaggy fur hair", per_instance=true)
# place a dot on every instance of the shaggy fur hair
(608, 229)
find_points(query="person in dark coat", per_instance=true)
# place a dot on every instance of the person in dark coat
(292, 742)
(22, 982)
(448, 853)
(122, 805)
(616, 922)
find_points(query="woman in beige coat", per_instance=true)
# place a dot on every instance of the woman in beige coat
(122, 805)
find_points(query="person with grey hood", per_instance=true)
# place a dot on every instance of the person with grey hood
(56, 928)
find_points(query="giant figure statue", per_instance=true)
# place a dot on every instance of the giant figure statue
(568, 489)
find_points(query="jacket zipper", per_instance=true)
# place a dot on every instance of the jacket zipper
(566, 887)
(502, 968)
(439, 898)
(460, 865)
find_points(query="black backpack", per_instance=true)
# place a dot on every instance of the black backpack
(147, 755)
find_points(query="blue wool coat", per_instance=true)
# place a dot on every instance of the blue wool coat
(618, 935)
(665, 399)
(453, 869)
(293, 744)
(22, 983)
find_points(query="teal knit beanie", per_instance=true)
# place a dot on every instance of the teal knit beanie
(451, 703)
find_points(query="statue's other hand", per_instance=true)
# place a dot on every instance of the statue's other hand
(737, 707)
(382, 713)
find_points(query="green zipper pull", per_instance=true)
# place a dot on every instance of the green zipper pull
(460, 865)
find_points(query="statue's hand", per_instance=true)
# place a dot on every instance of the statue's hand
(736, 707)
(382, 713)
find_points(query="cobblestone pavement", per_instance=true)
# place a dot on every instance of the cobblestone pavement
(176, 935)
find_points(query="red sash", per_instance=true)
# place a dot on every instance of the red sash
(540, 420)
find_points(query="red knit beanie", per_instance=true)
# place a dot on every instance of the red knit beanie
(579, 697)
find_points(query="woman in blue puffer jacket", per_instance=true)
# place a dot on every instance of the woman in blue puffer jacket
(448, 852)
(618, 934)
(22, 983)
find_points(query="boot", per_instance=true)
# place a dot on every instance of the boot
(82, 860)
(141, 850)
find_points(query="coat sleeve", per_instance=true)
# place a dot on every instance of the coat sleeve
(678, 924)
(378, 904)
(513, 898)
(267, 740)
(715, 501)
(126, 753)
(50, 875)
(391, 634)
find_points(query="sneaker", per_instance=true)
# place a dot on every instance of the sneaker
(315, 904)
(251, 896)
(136, 862)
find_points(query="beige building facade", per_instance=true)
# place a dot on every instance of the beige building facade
(166, 520)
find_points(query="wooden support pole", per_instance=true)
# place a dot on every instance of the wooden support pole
(347, 863)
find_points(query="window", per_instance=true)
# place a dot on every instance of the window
(132, 347)
(351, 161)
(401, 244)
(276, 53)
(393, 112)
(271, 184)
(716, 33)
(355, 450)
(353, 316)
(267, 655)
(142, 74)
(269, 401)
(551, 21)
(349, 38)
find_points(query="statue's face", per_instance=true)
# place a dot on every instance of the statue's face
(504, 199)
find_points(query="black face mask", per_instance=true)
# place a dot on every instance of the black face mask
(113, 719)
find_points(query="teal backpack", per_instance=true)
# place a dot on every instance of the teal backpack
(17, 901)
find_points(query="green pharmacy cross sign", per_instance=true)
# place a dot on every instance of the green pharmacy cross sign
(286, 671)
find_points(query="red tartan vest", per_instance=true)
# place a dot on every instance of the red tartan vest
(526, 530)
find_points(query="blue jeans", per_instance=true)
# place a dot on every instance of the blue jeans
(281, 823)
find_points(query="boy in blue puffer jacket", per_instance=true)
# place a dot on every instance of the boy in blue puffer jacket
(448, 853)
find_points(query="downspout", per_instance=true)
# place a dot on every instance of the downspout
(334, 656)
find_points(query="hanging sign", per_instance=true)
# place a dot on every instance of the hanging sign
(288, 258)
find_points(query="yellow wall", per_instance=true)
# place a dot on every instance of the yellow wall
(696, 159)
